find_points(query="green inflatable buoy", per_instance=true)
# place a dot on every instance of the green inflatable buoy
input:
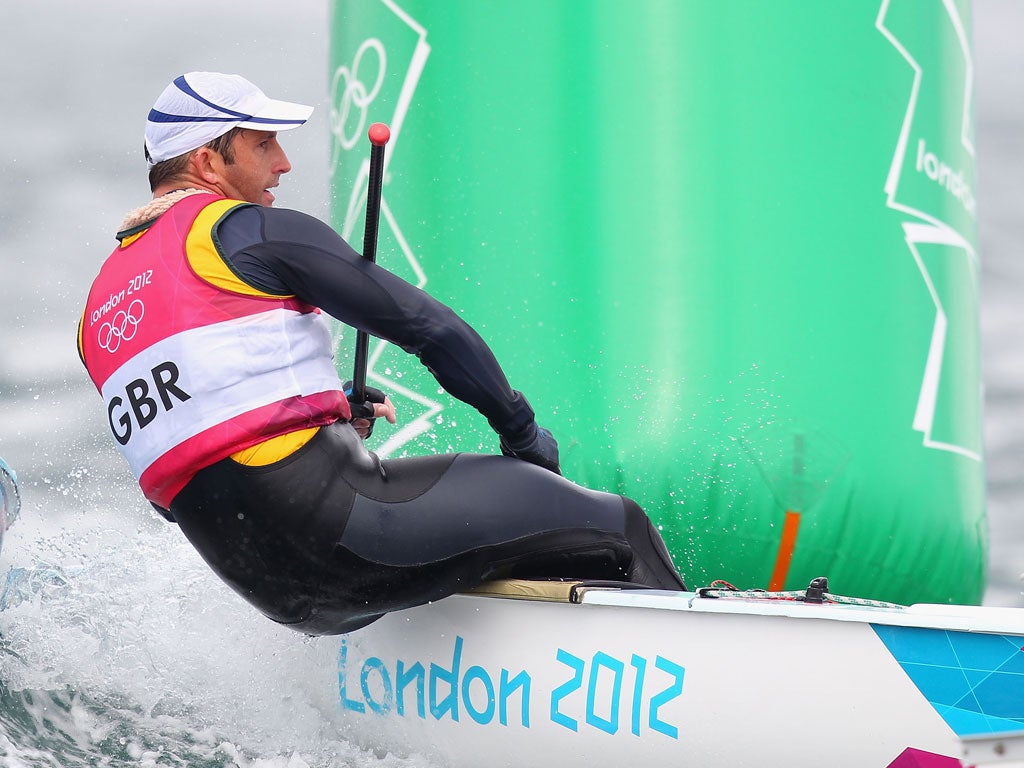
(727, 249)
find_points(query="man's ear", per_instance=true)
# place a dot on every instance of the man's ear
(205, 163)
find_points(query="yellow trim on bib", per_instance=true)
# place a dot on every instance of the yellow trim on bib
(206, 259)
(125, 242)
(274, 449)
(81, 333)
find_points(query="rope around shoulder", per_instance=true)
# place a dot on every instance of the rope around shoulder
(157, 206)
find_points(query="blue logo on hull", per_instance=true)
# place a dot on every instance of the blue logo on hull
(974, 681)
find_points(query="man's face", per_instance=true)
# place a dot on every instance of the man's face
(258, 164)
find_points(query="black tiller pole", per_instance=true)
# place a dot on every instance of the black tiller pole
(379, 134)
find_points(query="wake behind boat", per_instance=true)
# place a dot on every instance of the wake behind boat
(544, 674)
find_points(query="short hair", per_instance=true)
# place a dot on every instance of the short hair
(170, 169)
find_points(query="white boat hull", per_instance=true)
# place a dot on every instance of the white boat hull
(658, 678)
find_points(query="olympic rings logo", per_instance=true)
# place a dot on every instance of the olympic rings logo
(122, 327)
(350, 96)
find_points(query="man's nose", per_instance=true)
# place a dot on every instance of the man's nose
(282, 165)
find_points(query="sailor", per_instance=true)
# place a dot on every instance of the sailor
(204, 335)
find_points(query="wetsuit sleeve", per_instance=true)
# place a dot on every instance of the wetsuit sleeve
(286, 252)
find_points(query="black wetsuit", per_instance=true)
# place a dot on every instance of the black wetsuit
(330, 538)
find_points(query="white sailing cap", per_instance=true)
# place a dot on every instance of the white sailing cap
(200, 106)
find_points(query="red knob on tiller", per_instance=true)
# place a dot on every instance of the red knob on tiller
(379, 134)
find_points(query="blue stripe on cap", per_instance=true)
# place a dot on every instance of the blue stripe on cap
(156, 116)
(184, 87)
